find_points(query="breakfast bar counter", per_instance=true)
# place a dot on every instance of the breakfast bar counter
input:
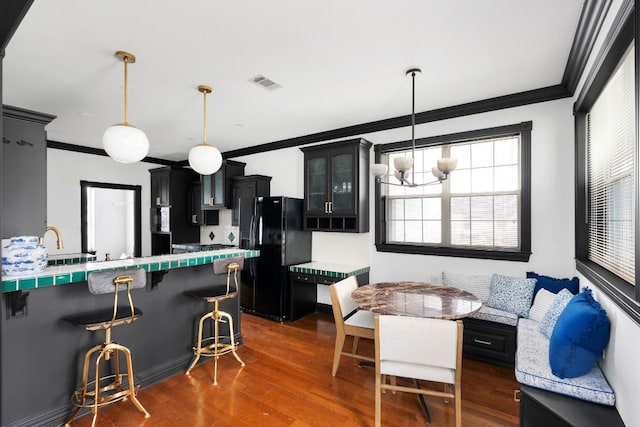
(77, 272)
(41, 352)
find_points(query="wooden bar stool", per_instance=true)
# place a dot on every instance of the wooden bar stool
(217, 345)
(100, 389)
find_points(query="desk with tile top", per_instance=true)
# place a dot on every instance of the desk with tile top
(309, 285)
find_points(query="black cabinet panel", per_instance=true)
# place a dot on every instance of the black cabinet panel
(171, 217)
(160, 187)
(303, 291)
(303, 294)
(336, 186)
(489, 341)
(544, 408)
(250, 186)
(24, 172)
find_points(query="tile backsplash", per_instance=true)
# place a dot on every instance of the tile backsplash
(223, 233)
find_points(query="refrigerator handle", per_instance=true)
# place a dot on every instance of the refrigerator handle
(252, 267)
(252, 233)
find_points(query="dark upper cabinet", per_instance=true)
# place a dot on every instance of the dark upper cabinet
(197, 214)
(171, 220)
(247, 186)
(217, 188)
(336, 186)
(160, 187)
(24, 172)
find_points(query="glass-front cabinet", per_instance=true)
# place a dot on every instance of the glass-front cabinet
(343, 173)
(337, 186)
(216, 188)
(316, 197)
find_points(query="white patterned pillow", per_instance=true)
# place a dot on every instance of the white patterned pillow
(541, 304)
(512, 294)
(479, 285)
(549, 320)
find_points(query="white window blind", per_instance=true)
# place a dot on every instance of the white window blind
(610, 173)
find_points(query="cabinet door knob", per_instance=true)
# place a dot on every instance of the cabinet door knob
(330, 207)
(194, 218)
(210, 201)
(158, 201)
(326, 207)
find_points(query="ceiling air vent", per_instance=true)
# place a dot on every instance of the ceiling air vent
(264, 82)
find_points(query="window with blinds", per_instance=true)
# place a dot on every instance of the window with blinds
(477, 207)
(611, 173)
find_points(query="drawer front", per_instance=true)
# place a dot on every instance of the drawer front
(301, 277)
(485, 340)
(326, 280)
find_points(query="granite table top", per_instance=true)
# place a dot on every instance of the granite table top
(416, 299)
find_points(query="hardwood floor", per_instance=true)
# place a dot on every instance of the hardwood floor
(287, 382)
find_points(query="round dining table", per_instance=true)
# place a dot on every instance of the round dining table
(416, 299)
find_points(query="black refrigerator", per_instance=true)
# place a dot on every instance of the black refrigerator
(274, 226)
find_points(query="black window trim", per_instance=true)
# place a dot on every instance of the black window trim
(623, 31)
(524, 130)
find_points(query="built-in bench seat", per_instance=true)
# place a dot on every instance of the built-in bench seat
(499, 336)
(532, 368)
(491, 314)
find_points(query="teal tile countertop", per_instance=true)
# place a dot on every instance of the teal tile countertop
(329, 269)
(60, 259)
(70, 273)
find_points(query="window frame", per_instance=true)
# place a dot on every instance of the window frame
(623, 33)
(523, 253)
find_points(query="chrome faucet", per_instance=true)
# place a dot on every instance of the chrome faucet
(58, 236)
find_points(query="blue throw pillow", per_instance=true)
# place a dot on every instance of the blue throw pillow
(550, 318)
(580, 335)
(553, 285)
(512, 294)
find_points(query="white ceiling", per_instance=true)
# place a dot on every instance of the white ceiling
(340, 63)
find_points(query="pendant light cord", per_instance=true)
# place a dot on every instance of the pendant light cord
(204, 120)
(413, 125)
(126, 91)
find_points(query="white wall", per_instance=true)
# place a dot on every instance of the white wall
(620, 357)
(65, 170)
(286, 167)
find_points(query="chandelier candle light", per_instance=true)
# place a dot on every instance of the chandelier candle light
(403, 165)
(123, 142)
(204, 158)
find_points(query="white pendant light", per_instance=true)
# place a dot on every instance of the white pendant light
(123, 142)
(204, 158)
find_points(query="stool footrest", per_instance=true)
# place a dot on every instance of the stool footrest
(215, 349)
(115, 388)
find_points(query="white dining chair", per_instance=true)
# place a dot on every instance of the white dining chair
(421, 349)
(349, 320)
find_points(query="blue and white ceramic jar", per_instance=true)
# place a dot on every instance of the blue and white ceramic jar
(23, 255)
